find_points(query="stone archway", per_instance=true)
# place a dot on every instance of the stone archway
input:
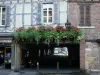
(16, 56)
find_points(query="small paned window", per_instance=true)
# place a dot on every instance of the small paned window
(47, 13)
(2, 16)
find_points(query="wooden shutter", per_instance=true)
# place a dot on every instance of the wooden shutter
(87, 16)
(39, 14)
(7, 15)
(56, 13)
(81, 15)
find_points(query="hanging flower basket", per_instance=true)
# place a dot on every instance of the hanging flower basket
(49, 34)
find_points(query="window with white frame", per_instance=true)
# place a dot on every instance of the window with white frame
(2, 16)
(47, 16)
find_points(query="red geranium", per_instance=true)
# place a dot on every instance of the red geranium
(19, 29)
(31, 28)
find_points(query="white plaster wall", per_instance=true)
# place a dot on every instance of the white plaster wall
(27, 19)
(27, 8)
(19, 8)
(19, 21)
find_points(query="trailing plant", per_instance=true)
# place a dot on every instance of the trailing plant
(49, 34)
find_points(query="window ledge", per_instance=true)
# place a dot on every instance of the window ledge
(90, 27)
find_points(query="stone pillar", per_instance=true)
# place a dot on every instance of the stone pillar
(82, 54)
(13, 56)
(16, 57)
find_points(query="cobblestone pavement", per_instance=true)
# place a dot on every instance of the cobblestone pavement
(4, 72)
(44, 73)
(94, 73)
(34, 73)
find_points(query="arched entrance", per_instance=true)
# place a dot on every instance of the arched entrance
(64, 55)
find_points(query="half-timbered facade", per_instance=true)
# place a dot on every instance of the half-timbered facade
(27, 13)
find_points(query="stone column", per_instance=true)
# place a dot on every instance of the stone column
(82, 54)
(16, 57)
(13, 56)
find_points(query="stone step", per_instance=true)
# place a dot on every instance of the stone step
(30, 73)
(62, 74)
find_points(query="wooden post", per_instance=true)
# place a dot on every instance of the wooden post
(37, 66)
(57, 66)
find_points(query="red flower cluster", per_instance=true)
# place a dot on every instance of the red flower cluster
(31, 28)
(75, 28)
(41, 28)
(60, 28)
(50, 28)
(19, 29)
(72, 28)
(63, 29)
(45, 28)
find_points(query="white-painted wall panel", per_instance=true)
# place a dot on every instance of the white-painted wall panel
(6, 2)
(21, 1)
(27, 8)
(27, 19)
(12, 8)
(34, 20)
(19, 21)
(27, 0)
(19, 8)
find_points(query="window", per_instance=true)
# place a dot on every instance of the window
(2, 16)
(85, 15)
(47, 14)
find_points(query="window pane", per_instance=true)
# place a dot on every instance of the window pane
(45, 19)
(50, 8)
(3, 10)
(45, 13)
(3, 16)
(81, 15)
(45, 9)
(87, 16)
(50, 19)
(3, 22)
(50, 13)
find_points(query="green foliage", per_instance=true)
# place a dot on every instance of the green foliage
(49, 34)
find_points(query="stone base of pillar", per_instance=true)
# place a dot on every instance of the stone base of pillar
(16, 57)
